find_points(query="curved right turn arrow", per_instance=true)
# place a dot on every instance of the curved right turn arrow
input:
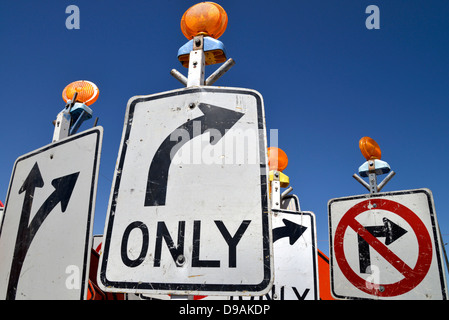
(290, 230)
(213, 117)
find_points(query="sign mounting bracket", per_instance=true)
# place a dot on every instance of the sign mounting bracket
(197, 63)
(371, 169)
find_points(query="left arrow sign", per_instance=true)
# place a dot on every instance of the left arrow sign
(63, 190)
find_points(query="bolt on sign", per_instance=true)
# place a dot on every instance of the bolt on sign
(386, 246)
(188, 210)
(45, 236)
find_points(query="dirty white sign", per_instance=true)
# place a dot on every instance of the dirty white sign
(45, 236)
(188, 209)
(295, 257)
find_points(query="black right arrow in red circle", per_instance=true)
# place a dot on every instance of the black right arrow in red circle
(389, 230)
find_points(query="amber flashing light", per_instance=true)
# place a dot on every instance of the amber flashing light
(277, 159)
(205, 18)
(369, 148)
(87, 92)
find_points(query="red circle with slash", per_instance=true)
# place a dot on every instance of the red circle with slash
(412, 276)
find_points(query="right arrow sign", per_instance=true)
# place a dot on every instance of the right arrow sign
(295, 256)
(291, 230)
(188, 210)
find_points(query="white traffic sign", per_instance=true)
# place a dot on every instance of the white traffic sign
(386, 246)
(295, 257)
(188, 211)
(45, 237)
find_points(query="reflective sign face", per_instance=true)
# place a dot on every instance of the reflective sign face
(45, 237)
(295, 257)
(386, 246)
(188, 210)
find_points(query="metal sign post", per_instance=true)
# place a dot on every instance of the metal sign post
(197, 63)
(188, 212)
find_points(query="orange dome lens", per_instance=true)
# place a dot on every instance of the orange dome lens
(205, 18)
(370, 149)
(87, 92)
(277, 159)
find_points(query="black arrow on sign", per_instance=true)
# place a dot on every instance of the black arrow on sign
(291, 230)
(63, 191)
(213, 118)
(23, 240)
(389, 230)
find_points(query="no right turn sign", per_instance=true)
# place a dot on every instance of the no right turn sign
(386, 246)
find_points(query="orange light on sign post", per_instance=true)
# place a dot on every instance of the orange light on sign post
(369, 148)
(277, 159)
(277, 162)
(373, 165)
(87, 92)
(205, 18)
(77, 95)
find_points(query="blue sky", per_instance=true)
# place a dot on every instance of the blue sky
(326, 80)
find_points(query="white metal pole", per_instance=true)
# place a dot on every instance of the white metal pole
(62, 125)
(63, 120)
(197, 63)
(276, 191)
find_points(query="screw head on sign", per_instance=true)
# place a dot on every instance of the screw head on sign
(205, 18)
(87, 92)
(369, 148)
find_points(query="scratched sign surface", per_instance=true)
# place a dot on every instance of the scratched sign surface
(45, 236)
(188, 209)
(295, 257)
(386, 246)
